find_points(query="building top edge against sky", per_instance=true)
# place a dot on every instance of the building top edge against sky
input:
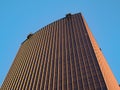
(66, 15)
(73, 36)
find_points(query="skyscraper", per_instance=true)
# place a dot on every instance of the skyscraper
(61, 56)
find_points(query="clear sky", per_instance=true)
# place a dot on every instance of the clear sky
(18, 18)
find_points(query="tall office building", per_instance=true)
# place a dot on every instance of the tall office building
(61, 56)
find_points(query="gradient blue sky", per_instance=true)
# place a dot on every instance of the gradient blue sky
(18, 18)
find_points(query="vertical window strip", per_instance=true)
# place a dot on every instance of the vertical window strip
(68, 56)
(72, 55)
(82, 52)
(42, 39)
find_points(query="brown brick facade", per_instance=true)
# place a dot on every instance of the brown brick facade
(61, 56)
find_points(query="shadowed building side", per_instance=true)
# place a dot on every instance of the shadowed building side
(61, 56)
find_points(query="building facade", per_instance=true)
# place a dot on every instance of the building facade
(61, 56)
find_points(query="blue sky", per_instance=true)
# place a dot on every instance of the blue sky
(18, 18)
